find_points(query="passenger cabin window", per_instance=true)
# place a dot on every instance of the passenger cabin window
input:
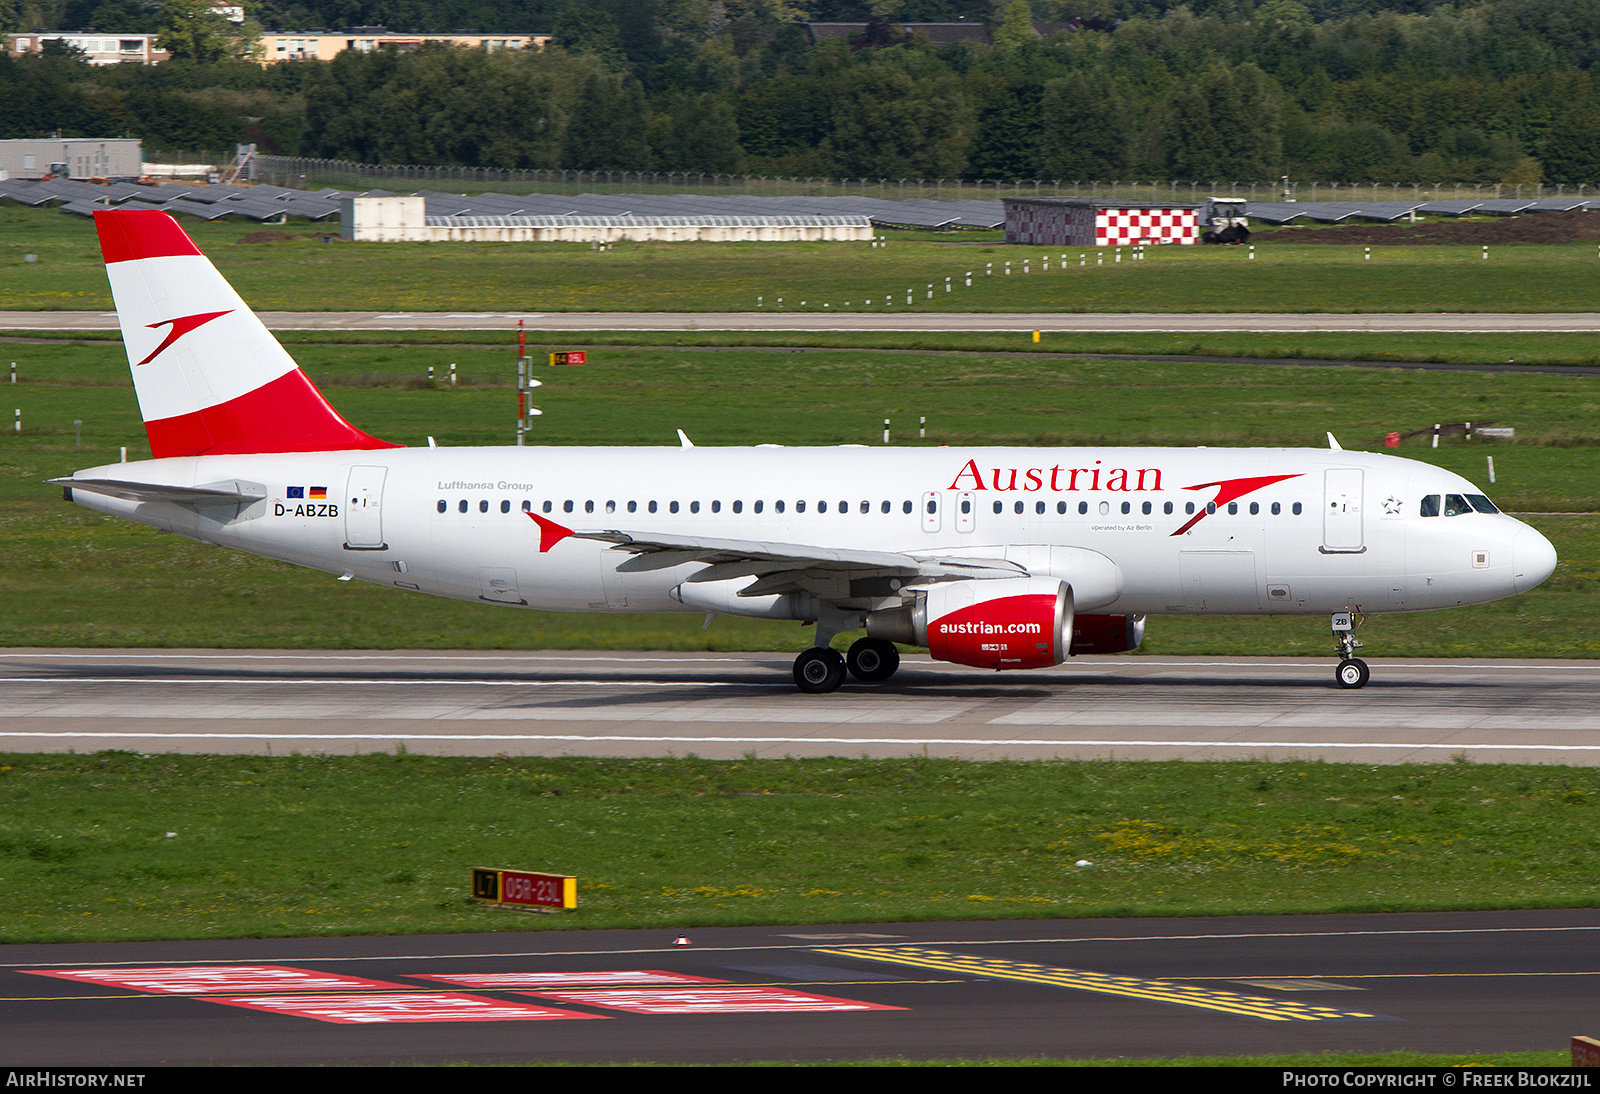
(505, 505)
(998, 506)
(527, 506)
(1296, 509)
(443, 505)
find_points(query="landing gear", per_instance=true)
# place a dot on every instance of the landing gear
(818, 670)
(1352, 671)
(872, 660)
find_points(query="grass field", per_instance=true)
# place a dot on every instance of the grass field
(293, 270)
(74, 578)
(118, 846)
(1394, 348)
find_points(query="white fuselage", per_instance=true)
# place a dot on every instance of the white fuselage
(1344, 530)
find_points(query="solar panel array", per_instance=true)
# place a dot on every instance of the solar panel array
(1332, 212)
(264, 203)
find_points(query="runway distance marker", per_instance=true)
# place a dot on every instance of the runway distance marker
(350, 1009)
(1156, 991)
(523, 888)
(711, 999)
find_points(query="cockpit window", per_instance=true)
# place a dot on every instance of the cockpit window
(1430, 505)
(1455, 505)
(1482, 504)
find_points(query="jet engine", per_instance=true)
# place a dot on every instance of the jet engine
(1009, 623)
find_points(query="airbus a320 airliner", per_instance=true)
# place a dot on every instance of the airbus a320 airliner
(1004, 558)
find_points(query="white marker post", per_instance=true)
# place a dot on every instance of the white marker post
(922, 428)
(1491, 470)
(886, 431)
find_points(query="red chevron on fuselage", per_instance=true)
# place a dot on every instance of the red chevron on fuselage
(1231, 490)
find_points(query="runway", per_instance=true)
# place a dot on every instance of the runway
(1432, 982)
(721, 705)
(885, 320)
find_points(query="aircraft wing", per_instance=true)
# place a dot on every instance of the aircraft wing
(777, 567)
(216, 493)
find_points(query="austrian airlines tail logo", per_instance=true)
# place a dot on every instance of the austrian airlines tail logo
(180, 327)
(1230, 490)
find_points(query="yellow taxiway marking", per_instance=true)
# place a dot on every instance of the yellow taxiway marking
(1156, 991)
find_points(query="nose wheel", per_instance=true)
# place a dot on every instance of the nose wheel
(1352, 671)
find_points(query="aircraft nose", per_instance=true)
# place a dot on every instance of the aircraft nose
(1533, 558)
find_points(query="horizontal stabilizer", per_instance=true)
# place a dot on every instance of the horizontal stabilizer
(232, 492)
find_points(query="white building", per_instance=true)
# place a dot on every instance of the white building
(118, 158)
(405, 219)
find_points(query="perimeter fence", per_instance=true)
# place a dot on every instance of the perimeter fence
(317, 174)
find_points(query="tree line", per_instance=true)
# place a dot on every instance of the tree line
(1338, 90)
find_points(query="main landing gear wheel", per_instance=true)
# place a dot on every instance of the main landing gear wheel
(1352, 673)
(872, 660)
(817, 671)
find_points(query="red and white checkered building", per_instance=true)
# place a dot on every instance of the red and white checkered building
(1063, 222)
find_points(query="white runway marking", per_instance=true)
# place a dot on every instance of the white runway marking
(954, 742)
(1217, 936)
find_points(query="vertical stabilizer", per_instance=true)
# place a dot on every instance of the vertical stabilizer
(211, 379)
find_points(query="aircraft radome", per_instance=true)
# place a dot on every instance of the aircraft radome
(1005, 558)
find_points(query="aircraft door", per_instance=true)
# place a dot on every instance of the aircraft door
(363, 509)
(1341, 511)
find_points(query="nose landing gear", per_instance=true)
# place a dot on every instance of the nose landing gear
(1352, 671)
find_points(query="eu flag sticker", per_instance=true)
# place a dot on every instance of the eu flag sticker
(297, 492)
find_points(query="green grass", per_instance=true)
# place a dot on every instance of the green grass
(376, 844)
(74, 578)
(1375, 347)
(296, 271)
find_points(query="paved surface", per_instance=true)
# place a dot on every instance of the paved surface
(1437, 982)
(883, 320)
(730, 705)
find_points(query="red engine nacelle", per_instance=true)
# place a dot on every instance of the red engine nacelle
(1022, 623)
(1106, 633)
